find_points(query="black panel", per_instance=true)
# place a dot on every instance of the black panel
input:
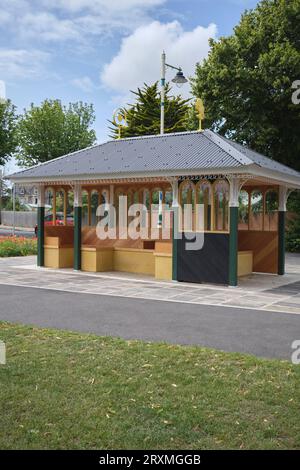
(210, 264)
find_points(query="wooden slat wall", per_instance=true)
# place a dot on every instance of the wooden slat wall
(65, 233)
(89, 238)
(265, 249)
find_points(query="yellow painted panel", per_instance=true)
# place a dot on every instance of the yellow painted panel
(105, 260)
(66, 257)
(134, 261)
(89, 260)
(51, 257)
(163, 267)
(93, 260)
(245, 263)
(58, 257)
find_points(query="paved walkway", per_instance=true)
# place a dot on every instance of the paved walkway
(268, 334)
(258, 292)
(7, 231)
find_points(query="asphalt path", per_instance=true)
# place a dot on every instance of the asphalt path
(4, 232)
(264, 334)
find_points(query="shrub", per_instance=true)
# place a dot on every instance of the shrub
(293, 245)
(17, 246)
(293, 226)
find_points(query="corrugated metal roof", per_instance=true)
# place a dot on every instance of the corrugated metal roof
(261, 160)
(159, 153)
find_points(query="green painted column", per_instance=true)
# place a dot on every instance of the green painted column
(233, 247)
(40, 235)
(41, 225)
(281, 242)
(175, 208)
(77, 237)
(174, 243)
(282, 200)
(77, 226)
(209, 217)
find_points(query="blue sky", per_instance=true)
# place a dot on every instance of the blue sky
(97, 50)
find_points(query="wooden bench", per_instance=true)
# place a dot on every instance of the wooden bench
(58, 247)
(245, 263)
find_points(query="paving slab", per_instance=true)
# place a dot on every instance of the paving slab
(259, 291)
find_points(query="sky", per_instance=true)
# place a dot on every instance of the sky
(96, 51)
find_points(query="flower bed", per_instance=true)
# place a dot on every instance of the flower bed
(17, 246)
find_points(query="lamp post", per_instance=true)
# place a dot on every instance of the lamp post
(14, 208)
(179, 79)
(1, 176)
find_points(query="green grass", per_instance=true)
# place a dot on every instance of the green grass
(77, 391)
(17, 246)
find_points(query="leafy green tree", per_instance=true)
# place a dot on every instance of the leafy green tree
(293, 223)
(8, 121)
(8, 205)
(143, 117)
(246, 81)
(52, 130)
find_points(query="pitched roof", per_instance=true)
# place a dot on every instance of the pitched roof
(153, 154)
(261, 160)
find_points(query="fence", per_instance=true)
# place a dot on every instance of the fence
(22, 219)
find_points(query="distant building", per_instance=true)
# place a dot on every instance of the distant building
(28, 195)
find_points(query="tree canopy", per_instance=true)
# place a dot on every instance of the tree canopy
(246, 81)
(52, 130)
(8, 121)
(143, 117)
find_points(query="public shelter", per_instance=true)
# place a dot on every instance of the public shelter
(244, 195)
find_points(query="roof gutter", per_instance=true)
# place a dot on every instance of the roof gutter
(241, 170)
(252, 171)
(293, 182)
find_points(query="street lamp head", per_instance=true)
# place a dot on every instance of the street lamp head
(179, 78)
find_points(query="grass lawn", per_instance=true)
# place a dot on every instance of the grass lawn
(77, 391)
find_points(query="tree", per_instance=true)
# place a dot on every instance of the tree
(8, 205)
(246, 81)
(52, 130)
(143, 117)
(8, 121)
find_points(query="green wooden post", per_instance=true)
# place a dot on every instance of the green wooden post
(174, 243)
(40, 235)
(209, 217)
(234, 190)
(174, 229)
(77, 227)
(282, 199)
(40, 226)
(281, 243)
(233, 247)
(77, 238)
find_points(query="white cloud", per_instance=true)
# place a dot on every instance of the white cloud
(21, 63)
(11, 10)
(69, 20)
(47, 27)
(14, 5)
(5, 17)
(138, 59)
(84, 83)
(2, 90)
(96, 5)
